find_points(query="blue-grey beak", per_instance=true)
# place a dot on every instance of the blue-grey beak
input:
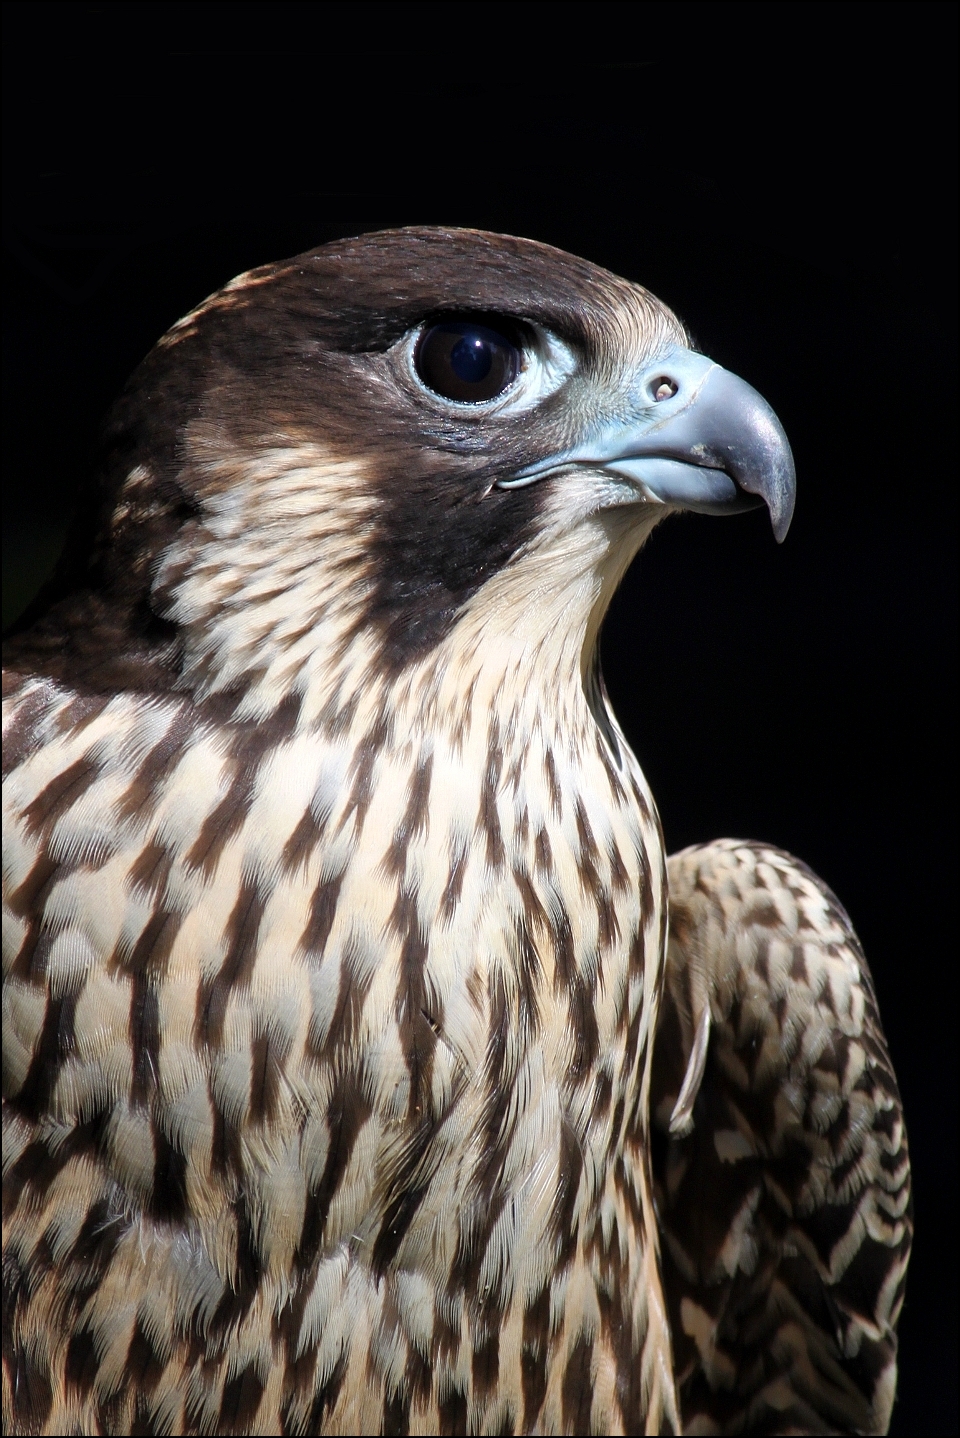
(697, 437)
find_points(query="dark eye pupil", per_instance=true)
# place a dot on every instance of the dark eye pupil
(466, 361)
(471, 359)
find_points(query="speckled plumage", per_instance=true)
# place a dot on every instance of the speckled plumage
(336, 927)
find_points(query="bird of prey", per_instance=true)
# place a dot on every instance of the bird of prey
(367, 1068)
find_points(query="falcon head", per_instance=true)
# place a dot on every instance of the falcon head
(324, 466)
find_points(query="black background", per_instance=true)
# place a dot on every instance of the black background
(782, 175)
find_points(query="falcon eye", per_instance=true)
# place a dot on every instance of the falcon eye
(466, 361)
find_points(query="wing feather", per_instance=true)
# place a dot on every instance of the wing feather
(782, 1177)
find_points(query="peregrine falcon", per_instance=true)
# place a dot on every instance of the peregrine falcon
(367, 1067)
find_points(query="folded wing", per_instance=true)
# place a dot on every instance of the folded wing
(780, 1159)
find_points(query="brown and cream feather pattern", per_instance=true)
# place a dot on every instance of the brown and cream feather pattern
(336, 912)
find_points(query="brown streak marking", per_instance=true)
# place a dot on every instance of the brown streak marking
(452, 1414)
(144, 1031)
(55, 1043)
(414, 820)
(553, 783)
(59, 796)
(533, 1358)
(241, 1401)
(153, 768)
(633, 1031)
(241, 932)
(488, 819)
(485, 1365)
(763, 914)
(577, 1388)
(583, 1018)
(81, 1364)
(30, 1382)
(222, 823)
(617, 1325)
(343, 1034)
(543, 856)
(362, 768)
(564, 1203)
(266, 1078)
(619, 878)
(226, 1149)
(323, 908)
(299, 846)
(144, 1367)
(32, 893)
(454, 885)
(396, 1415)
(235, 1303)
(326, 1397)
(529, 977)
(347, 1112)
(149, 871)
(641, 800)
(417, 1036)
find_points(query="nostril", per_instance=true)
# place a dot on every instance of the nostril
(664, 388)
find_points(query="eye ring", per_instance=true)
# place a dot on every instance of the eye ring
(466, 360)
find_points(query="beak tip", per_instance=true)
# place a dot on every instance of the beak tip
(785, 498)
(781, 521)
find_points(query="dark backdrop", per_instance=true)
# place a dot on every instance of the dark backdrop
(782, 176)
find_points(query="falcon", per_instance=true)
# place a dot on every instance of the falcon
(367, 1068)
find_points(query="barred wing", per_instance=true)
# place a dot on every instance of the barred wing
(780, 1159)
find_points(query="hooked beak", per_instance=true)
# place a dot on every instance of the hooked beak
(699, 438)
